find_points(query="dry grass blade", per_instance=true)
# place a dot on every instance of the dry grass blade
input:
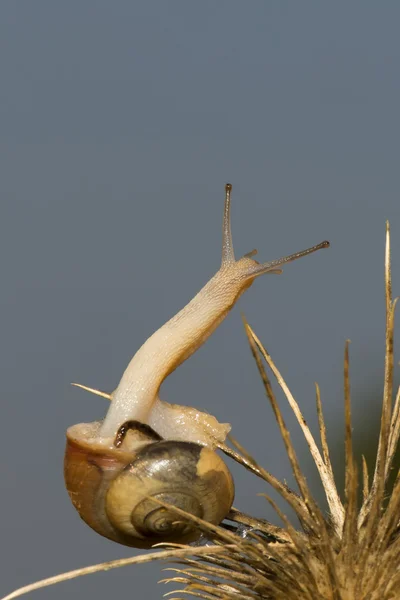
(218, 595)
(334, 502)
(322, 429)
(390, 518)
(194, 580)
(276, 533)
(307, 498)
(217, 572)
(348, 550)
(376, 495)
(387, 392)
(194, 593)
(388, 271)
(230, 564)
(347, 415)
(350, 521)
(394, 434)
(214, 588)
(114, 564)
(290, 496)
(300, 479)
(365, 478)
(318, 525)
(241, 449)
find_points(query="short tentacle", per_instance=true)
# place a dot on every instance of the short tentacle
(251, 253)
(255, 270)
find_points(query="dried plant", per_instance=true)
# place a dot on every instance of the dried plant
(353, 553)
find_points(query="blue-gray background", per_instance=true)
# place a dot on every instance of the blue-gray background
(120, 123)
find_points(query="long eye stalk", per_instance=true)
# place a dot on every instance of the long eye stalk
(228, 256)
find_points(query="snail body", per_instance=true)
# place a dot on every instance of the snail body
(146, 448)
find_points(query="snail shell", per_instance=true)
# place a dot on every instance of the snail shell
(112, 489)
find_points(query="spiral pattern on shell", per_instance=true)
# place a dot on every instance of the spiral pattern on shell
(191, 477)
(151, 519)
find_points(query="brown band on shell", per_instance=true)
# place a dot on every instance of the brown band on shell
(135, 426)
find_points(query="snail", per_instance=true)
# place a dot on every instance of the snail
(121, 472)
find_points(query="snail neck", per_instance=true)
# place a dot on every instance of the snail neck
(170, 346)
